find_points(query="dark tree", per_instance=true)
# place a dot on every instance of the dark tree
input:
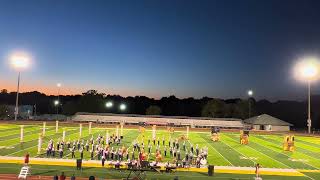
(153, 110)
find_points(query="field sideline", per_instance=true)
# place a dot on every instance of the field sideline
(264, 149)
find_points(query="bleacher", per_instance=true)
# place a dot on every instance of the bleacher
(132, 119)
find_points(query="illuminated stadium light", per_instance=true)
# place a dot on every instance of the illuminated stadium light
(109, 104)
(20, 60)
(56, 102)
(307, 70)
(122, 107)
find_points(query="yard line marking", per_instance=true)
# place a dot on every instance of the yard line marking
(287, 155)
(308, 176)
(31, 146)
(260, 152)
(300, 148)
(238, 151)
(17, 132)
(25, 137)
(277, 139)
(215, 149)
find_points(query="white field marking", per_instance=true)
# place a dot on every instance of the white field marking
(287, 155)
(6, 147)
(26, 129)
(24, 138)
(237, 151)
(32, 146)
(299, 151)
(243, 157)
(298, 160)
(308, 176)
(215, 150)
(263, 154)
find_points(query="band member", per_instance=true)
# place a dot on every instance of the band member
(60, 152)
(257, 171)
(178, 155)
(149, 148)
(197, 149)
(165, 151)
(87, 145)
(81, 153)
(53, 152)
(92, 154)
(72, 153)
(78, 144)
(103, 160)
(127, 154)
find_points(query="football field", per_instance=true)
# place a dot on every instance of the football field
(265, 149)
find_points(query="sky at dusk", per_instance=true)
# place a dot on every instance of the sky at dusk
(216, 48)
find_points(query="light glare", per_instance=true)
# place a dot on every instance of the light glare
(123, 107)
(109, 104)
(250, 92)
(20, 60)
(56, 102)
(307, 69)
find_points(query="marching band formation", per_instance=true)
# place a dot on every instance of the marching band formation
(107, 149)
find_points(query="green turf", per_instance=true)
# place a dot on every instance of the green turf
(263, 149)
(102, 173)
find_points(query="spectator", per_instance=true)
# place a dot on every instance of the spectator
(26, 159)
(62, 176)
(73, 177)
(55, 177)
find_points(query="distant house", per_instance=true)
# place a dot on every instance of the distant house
(268, 123)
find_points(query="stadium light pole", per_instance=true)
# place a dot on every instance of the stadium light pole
(308, 70)
(56, 103)
(59, 86)
(19, 61)
(250, 93)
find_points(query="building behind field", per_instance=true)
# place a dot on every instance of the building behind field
(179, 121)
(268, 123)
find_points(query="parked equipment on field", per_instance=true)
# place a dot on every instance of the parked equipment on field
(170, 128)
(288, 143)
(244, 137)
(215, 134)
